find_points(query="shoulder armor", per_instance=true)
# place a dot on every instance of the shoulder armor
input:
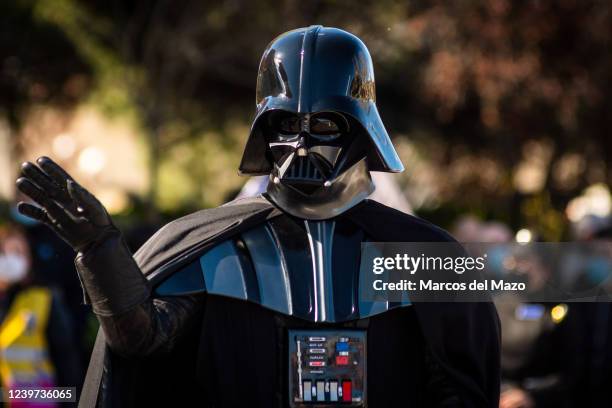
(298, 268)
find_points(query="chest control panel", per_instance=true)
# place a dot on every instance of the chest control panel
(327, 368)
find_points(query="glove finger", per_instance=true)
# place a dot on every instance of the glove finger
(55, 213)
(32, 211)
(41, 215)
(89, 204)
(38, 177)
(54, 171)
(31, 190)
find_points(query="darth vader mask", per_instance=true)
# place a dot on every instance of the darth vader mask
(319, 163)
(317, 132)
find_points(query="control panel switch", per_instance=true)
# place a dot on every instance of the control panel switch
(347, 391)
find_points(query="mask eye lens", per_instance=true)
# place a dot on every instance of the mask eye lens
(328, 126)
(289, 125)
(324, 127)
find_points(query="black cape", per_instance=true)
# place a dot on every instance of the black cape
(464, 337)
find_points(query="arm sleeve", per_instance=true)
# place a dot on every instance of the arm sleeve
(134, 322)
(152, 326)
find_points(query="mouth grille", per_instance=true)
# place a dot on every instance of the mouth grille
(302, 169)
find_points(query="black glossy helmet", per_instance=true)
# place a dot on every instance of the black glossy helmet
(317, 131)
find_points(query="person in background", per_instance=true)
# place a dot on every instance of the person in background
(534, 338)
(590, 333)
(36, 335)
(533, 333)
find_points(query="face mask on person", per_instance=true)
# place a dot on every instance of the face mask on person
(13, 268)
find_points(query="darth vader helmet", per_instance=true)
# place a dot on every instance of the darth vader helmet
(317, 132)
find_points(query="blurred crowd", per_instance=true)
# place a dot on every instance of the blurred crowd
(553, 354)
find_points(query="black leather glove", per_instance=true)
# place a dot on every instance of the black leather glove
(70, 210)
(111, 279)
(134, 323)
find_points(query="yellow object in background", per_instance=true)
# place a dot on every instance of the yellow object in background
(558, 312)
(24, 359)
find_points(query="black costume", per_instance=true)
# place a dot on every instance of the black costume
(256, 303)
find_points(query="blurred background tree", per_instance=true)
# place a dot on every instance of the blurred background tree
(498, 108)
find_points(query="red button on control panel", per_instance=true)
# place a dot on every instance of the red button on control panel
(347, 393)
(342, 360)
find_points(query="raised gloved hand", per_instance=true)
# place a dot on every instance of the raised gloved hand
(70, 210)
(111, 279)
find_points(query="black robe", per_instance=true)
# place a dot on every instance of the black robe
(464, 338)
